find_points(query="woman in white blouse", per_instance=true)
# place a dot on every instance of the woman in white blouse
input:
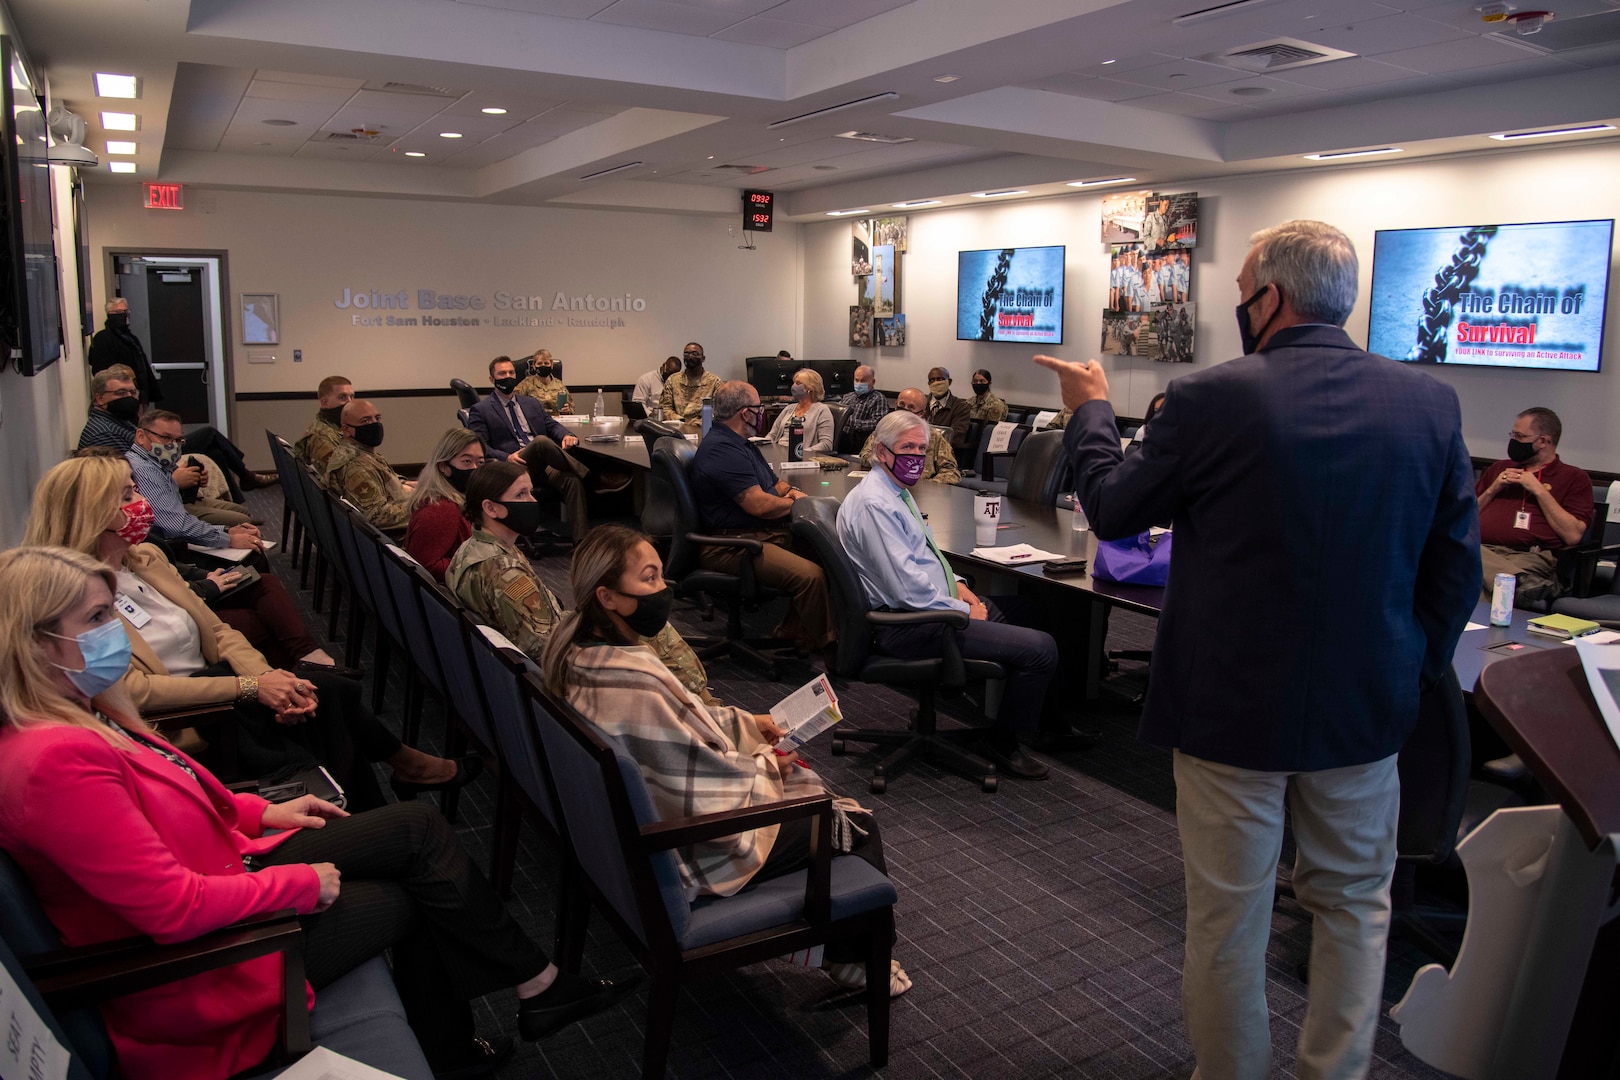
(185, 657)
(807, 406)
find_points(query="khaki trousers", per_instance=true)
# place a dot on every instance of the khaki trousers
(1535, 569)
(1231, 823)
(808, 623)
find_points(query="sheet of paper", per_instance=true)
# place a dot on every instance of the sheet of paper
(1015, 554)
(1124, 443)
(1614, 501)
(797, 465)
(323, 1064)
(1597, 637)
(856, 474)
(1043, 418)
(229, 554)
(1000, 437)
(29, 1051)
(807, 712)
(1473, 626)
(1602, 664)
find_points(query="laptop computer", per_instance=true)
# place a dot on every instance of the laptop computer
(635, 410)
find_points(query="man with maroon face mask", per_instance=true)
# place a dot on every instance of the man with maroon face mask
(902, 569)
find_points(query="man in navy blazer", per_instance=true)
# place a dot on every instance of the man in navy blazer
(1325, 560)
(508, 423)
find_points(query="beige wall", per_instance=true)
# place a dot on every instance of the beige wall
(1543, 185)
(695, 282)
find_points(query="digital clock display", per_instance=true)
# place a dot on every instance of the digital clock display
(759, 210)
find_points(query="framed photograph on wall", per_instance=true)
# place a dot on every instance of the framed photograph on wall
(261, 319)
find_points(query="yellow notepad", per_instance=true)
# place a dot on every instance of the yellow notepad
(1562, 626)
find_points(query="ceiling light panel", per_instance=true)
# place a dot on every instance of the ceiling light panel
(1101, 183)
(115, 146)
(120, 121)
(1584, 129)
(116, 86)
(121, 166)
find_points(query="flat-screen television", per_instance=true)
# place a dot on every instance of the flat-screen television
(1010, 294)
(30, 313)
(1523, 296)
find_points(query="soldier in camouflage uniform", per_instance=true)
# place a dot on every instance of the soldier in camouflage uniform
(324, 433)
(685, 390)
(499, 585)
(1060, 421)
(939, 461)
(543, 387)
(356, 472)
(984, 404)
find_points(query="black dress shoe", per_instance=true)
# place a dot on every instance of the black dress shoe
(467, 770)
(305, 667)
(1065, 742)
(482, 1058)
(537, 1018)
(1013, 762)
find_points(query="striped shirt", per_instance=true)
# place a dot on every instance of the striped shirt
(102, 430)
(169, 518)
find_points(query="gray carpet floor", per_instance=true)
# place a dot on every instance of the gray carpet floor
(1042, 926)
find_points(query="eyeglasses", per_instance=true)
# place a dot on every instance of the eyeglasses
(166, 440)
(122, 393)
(691, 356)
(1516, 437)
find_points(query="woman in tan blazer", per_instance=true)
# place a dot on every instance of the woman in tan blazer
(184, 656)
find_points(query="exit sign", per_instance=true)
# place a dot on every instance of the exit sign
(759, 210)
(165, 196)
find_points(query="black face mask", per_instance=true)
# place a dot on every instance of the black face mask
(506, 385)
(333, 416)
(1521, 451)
(119, 321)
(369, 435)
(522, 518)
(125, 409)
(981, 388)
(692, 362)
(652, 611)
(458, 477)
(1250, 337)
(543, 370)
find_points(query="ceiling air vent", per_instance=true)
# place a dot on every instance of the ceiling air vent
(1278, 54)
(356, 135)
(392, 87)
(872, 136)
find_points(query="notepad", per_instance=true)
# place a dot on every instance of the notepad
(1015, 555)
(231, 554)
(1562, 626)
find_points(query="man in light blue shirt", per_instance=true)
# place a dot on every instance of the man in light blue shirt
(152, 460)
(902, 569)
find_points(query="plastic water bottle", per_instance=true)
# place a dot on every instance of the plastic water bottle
(708, 416)
(1079, 524)
(599, 410)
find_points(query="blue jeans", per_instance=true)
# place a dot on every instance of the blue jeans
(1007, 637)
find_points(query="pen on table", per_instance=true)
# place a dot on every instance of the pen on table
(1015, 558)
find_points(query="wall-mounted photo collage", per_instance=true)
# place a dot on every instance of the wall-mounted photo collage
(876, 319)
(1150, 310)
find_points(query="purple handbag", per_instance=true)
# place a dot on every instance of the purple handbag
(1139, 560)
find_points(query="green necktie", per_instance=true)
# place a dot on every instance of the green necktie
(950, 578)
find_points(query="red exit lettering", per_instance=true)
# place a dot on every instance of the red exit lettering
(165, 196)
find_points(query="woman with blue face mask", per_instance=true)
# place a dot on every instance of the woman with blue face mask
(121, 833)
(808, 409)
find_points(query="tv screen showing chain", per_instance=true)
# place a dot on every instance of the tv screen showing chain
(1010, 294)
(1524, 296)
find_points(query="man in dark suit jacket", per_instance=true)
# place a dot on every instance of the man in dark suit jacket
(1326, 559)
(116, 343)
(508, 424)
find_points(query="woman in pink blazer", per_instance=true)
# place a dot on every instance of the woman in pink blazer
(122, 835)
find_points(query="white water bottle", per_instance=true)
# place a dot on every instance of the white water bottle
(1079, 524)
(599, 410)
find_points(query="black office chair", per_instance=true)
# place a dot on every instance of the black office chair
(465, 394)
(814, 521)
(658, 512)
(977, 440)
(838, 413)
(671, 458)
(1041, 471)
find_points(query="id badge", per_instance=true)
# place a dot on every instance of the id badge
(137, 615)
(1521, 520)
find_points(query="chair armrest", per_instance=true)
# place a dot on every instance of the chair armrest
(742, 543)
(194, 716)
(663, 835)
(1578, 564)
(948, 616)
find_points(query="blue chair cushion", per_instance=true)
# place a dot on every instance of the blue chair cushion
(857, 887)
(360, 1016)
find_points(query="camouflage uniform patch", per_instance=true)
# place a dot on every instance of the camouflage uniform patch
(314, 448)
(364, 477)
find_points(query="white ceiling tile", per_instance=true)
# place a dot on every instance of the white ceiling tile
(400, 104)
(1276, 90)
(568, 9)
(562, 120)
(669, 17)
(1346, 74)
(1459, 55)
(772, 33)
(471, 128)
(519, 107)
(1111, 90)
(601, 108)
(1372, 37)
(803, 154)
(1294, 16)
(282, 91)
(1128, 63)
(248, 143)
(1597, 56)
(338, 151)
(1181, 75)
(303, 113)
(308, 80)
(1063, 82)
(737, 9)
(835, 14)
(1183, 105)
(1418, 84)
(1533, 68)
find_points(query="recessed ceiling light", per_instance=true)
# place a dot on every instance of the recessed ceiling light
(919, 202)
(1100, 183)
(119, 86)
(999, 194)
(711, 157)
(120, 121)
(846, 213)
(280, 123)
(492, 111)
(1510, 136)
(449, 134)
(1352, 153)
(946, 78)
(1251, 91)
(121, 166)
(1105, 63)
(414, 153)
(116, 147)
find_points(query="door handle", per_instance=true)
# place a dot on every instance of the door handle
(180, 367)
